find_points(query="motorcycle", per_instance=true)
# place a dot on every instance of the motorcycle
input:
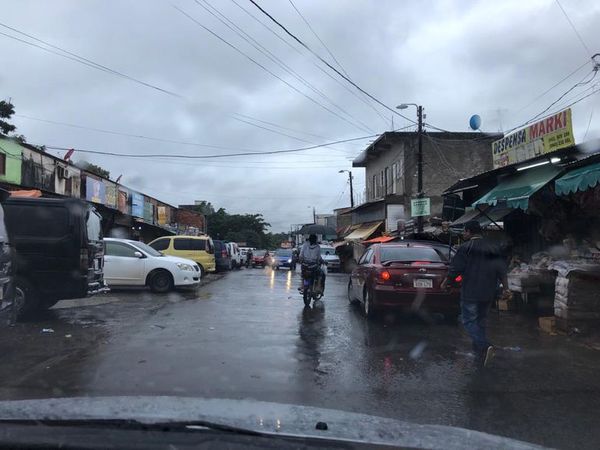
(312, 282)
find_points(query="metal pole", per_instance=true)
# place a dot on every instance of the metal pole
(420, 164)
(351, 189)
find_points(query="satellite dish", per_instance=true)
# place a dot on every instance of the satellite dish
(475, 122)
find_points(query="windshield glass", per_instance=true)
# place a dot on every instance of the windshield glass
(409, 254)
(443, 155)
(94, 226)
(146, 248)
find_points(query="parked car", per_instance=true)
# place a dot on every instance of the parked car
(133, 263)
(284, 258)
(223, 260)
(236, 255)
(199, 249)
(333, 261)
(404, 276)
(58, 251)
(258, 258)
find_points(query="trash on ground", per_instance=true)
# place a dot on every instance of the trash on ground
(47, 330)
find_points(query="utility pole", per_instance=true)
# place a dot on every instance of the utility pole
(420, 164)
(419, 156)
(350, 178)
(314, 215)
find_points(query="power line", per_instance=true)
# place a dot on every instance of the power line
(328, 64)
(554, 85)
(80, 59)
(589, 123)
(118, 133)
(574, 29)
(279, 126)
(291, 86)
(581, 83)
(337, 80)
(318, 38)
(222, 155)
(267, 53)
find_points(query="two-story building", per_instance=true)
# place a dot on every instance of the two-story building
(390, 164)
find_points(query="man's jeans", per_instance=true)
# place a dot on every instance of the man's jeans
(474, 316)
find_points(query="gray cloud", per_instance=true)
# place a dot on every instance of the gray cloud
(455, 58)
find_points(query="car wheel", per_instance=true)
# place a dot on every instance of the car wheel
(368, 307)
(161, 282)
(26, 300)
(201, 273)
(350, 297)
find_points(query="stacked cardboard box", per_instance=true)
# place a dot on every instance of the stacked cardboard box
(577, 292)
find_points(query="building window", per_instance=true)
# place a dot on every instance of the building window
(394, 178)
(374, 188)
(388, 181)
(2, 163)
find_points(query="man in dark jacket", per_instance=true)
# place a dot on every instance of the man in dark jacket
(482, 268)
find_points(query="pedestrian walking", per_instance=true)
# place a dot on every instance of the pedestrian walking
(482, 267)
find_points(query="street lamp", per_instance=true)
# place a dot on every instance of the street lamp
(419, 156)
(350, 177)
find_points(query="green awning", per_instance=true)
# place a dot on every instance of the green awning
(580, 179)
(515, 189)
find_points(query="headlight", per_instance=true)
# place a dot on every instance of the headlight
(290, 260)
(183, 266)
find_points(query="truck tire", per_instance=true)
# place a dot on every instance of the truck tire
(26, 299)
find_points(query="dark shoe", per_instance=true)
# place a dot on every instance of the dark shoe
(489, 355)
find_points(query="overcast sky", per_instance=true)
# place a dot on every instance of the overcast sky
(456, 58)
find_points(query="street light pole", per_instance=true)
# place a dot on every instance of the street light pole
(419, 156)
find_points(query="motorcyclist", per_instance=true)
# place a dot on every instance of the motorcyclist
(310, 254)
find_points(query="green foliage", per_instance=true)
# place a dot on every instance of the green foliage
(95, 169)
(6, 111)
(248, 228)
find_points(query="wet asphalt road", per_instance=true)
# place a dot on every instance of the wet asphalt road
(246, 335)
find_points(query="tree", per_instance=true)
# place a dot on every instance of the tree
(95, 169)
(203, 207)
(6, 111)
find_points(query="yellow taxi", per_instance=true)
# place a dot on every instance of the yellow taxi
(199, 249)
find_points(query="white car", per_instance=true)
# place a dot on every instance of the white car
(236, 254)
(133, 263)
(332, 260)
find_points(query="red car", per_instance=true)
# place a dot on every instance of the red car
(403, 276)
(259, 258)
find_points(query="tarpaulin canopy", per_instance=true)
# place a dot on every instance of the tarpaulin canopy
(363, 232)
(516, 188)
(380, 240)
(483, 214)
(580, 179)
(33, 193)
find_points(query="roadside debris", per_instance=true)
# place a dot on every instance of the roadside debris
(47, 330)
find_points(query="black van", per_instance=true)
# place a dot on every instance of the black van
(58, 251)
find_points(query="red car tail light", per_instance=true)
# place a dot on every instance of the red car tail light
(459, 279)
(420, 263)
(385, 276)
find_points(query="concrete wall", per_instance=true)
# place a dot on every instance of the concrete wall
(395, 183)
(14, 153)
(447, 157)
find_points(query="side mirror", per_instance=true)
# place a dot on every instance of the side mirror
(139, 255)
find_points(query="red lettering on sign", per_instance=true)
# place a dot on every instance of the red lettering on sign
(558, 122)
(549, 124)
(534, 131)
(542, 128)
